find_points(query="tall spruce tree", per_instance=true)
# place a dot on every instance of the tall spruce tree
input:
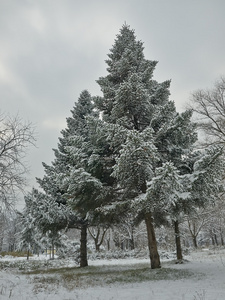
(156, 133)
(68, 179)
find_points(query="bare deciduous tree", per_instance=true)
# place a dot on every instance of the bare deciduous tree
(209, 106)
(98, 234)
(15, 137)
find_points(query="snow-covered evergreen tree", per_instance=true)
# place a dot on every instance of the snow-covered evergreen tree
(70, 180)
(135, 155)
(156, 133)
(29, 235)
(42, 220)
(136, 161)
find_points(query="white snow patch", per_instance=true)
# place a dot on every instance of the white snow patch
(208, 284)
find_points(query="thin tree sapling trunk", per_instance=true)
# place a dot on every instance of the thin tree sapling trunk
(216, 240)
(178, 243)
(221, 237)
(53, 250)
(83, 247)
(28, 254)
(50, 253)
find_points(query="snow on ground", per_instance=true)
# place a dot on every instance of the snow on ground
(207, 282)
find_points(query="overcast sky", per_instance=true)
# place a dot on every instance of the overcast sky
(51, 50)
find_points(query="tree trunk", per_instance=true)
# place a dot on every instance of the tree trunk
(50, 253)
(1, 243)
(83, 247)
(28, 254)
(97, 247)
(152, 243)
(177, 240)
(222, 240)
(108, 244)
(215, 238)
(131, 243)
(194, 238)
(53, 250)
(131, 240)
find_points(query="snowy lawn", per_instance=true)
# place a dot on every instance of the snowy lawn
(202, 277)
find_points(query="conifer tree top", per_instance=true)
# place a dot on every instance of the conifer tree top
(125, 40)
(129, 91)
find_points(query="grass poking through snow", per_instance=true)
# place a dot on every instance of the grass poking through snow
(73, 278)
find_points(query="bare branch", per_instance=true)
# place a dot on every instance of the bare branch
(15, 138)
(209, 107)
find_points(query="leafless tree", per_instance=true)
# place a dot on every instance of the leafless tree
(98, 233)
(15, 138)
(196, 223)
(209, 108)
(8, 230)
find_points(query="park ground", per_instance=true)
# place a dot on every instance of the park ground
(200, 277)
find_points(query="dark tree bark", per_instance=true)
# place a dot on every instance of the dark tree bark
(53, 250)
(194, 239)
(83, 247)
(152, 243)
(108, 244)
(222, 240)
(216, 240)
(177, 240)
(28, 254)
(131, 243)
(213, 242)
(50, 253)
